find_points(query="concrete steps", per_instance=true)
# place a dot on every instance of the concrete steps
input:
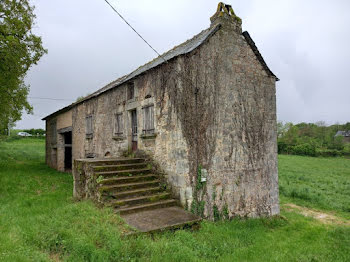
(115, 161)
(137, 192)
(161, 219)
(131, 187)
(128, 179)
(129, 202)
(147, 206)
(120, 167)
(123, 172)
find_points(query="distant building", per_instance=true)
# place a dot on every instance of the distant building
(345, 134)
(208, 104)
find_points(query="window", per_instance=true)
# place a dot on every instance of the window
(89, 129)
(148, 120)
(119, 125)
(131, 90)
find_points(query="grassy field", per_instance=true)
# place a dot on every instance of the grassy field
(39, 221)
(322, 183)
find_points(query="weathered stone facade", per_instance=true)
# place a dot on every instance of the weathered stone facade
(214, 117)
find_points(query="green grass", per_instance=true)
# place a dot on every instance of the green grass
(316, 182)
(39, 221)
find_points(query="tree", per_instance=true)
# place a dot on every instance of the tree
(19, 50)
(347, 126)
(282, 129)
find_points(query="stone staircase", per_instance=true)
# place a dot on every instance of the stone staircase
(129, 186)
(139, 195)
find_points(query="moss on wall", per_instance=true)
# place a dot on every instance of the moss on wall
(193, 92)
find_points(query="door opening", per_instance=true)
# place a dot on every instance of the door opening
(67, 151)
(133, 130)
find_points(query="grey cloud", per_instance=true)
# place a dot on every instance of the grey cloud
(305, 43)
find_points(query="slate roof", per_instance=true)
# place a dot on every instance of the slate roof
(343, 133)
(181, 49)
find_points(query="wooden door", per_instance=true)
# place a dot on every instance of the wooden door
(134, 130)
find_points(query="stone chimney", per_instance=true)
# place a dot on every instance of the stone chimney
(226, 17)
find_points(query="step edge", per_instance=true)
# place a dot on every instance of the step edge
(175, 226)
(145, 189)
(127, 177)
(130, 184)
(121, 171)
(122, 165)
(146, 205)
(140, 197)
(125, 194)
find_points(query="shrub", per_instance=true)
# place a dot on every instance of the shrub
(347, 149)
(303, 150)
(282, 147)
(328, 152)
(35, 132)
(337, 143)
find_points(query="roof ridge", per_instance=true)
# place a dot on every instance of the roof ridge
(177, 50)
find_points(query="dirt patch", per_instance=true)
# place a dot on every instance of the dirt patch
(55, 257)
(323, 217)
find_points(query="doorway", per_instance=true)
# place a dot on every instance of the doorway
(133, 130)
(67, 151)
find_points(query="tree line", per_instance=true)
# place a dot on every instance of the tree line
(312, 139)
(35, 132)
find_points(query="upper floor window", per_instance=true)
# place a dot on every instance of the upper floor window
(148, 119)
(131, 90)
(89, 129)
(119, 125)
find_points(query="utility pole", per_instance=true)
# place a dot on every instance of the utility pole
(9, 128)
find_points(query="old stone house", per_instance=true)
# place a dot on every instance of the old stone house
(205, 112)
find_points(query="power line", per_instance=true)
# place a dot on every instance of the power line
(49, 98)
(115, 10)
(174, 70)
(40, 116)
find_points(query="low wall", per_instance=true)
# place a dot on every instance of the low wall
(85, 185)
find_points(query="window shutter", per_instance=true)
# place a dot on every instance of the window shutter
(89, 129)
(148, 120)
(119, 124)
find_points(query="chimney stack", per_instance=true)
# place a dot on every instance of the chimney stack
(226, 16)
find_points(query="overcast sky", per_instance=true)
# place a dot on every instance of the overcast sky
(304, 42)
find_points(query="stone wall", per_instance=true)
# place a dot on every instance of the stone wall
(64, 120)
(51, 142)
